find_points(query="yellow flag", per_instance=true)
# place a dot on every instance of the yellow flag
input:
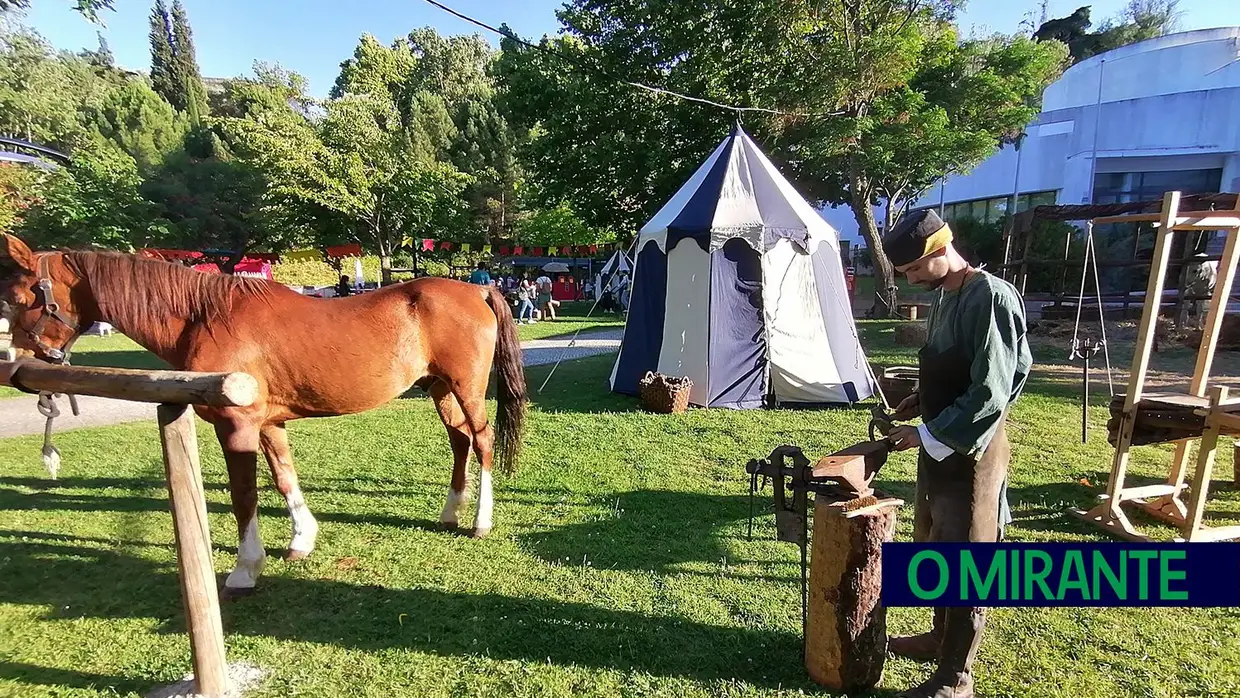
(466, 247)
(486, 249)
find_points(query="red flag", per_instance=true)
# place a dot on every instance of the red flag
(445, 245)
(518, 250)
(504, 249)
(351, 250)
(428, 245)
(593, 249)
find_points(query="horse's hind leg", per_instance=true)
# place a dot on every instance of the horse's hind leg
(460, 437)
(274, 439)
(239, 441)
(473, 404)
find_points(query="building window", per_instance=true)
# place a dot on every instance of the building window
(996, 208)
(1120, 187)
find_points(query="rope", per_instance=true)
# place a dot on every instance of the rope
(1091, 260)
(657, 90)
(1101, 317)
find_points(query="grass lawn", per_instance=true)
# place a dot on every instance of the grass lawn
(618, 566)
(571, 317)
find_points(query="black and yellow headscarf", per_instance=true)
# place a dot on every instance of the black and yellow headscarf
(914, 236)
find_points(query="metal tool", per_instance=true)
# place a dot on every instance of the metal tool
(842, 476)
(1085, 348)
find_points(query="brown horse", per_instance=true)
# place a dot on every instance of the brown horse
(312, 357)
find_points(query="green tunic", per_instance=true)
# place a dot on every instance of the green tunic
(986, 317)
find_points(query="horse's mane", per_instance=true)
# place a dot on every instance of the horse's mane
(141, 295)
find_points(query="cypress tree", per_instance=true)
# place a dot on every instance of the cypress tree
(163, 58)
(186, 70)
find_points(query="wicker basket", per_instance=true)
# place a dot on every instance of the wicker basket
(665, 394)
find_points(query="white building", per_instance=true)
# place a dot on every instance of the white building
(1126, 125)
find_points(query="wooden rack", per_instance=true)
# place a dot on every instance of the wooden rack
(1220, 414)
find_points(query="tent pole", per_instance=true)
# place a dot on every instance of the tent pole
(592, 308)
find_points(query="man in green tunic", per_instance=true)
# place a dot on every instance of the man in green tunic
(973, 367)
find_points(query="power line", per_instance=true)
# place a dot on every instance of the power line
(596, 71)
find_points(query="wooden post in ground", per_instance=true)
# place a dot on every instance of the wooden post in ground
(193, 544)
(846, 629)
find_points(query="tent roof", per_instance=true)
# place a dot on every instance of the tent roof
(737, 193)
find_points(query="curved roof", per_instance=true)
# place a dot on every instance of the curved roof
(737, 193)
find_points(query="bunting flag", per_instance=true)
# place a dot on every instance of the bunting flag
(486, 249)
(428, 245)
(538, 251)
(338, 251)
(466, 247)
(504, 250)
(518, 250)
(303, 256)
(445, 245)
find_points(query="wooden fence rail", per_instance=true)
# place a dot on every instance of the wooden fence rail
(174, 391)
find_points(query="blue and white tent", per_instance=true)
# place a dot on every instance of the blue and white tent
(739, 285)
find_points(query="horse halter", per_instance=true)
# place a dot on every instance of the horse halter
(45, 297)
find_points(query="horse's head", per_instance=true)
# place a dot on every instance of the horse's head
(41, 300)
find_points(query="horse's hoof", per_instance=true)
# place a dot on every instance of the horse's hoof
(480, 533)
(228, 593)
(294, 555)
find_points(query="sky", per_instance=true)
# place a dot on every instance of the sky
(312, 37)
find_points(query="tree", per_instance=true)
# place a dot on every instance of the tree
(212, 203)
(1138, 21)
(174, 66)
(17, 183)
(88, 8)
(875, 99)
(163, 57)
(912, 104)
(372, 175)
(614, 152)
(139, 121)
(93, 201)
(185, 70)
(45, 96)
(486, 149)
(559, 225)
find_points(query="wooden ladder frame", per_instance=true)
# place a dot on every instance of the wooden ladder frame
(1169, 504)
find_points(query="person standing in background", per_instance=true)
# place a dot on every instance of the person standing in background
(545, 303)
(480, 276)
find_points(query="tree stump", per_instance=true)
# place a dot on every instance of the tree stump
(911, 334)
(846, 628)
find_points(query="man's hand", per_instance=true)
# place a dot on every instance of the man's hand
(904, 438)
(908, 408)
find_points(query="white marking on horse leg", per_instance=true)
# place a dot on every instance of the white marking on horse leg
(452, 507)
(251, 557)
(486, 505)
(305, 528)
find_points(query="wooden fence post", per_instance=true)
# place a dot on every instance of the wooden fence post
(193, 544)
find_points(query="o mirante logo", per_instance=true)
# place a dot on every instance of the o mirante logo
(1061, 574)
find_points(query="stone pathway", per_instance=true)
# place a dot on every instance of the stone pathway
(19, 416)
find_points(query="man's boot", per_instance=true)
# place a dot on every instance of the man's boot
(962, 636)
(923, 647)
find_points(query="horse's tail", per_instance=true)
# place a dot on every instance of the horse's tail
(511, 392)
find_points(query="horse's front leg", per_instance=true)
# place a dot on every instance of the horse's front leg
(274, 439)
(239, 440)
